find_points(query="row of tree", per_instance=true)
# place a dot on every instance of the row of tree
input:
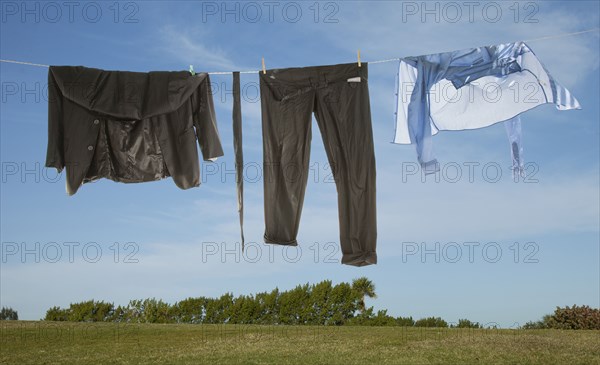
(318, 304)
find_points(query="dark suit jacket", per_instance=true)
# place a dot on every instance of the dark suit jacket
(129, 126)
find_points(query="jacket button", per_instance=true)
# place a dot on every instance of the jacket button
(90, 148)
(96, 121)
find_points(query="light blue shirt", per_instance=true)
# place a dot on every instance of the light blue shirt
(471, 76)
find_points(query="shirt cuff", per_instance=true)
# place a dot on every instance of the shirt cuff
(430, 167)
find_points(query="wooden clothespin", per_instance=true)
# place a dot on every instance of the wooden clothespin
(192, 70)
(263, 66)
(359, 65)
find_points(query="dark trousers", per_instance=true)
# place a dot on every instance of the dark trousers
(339, 97)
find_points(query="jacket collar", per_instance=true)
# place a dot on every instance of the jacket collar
(124, 94)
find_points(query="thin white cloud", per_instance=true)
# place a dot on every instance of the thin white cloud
(188, 46)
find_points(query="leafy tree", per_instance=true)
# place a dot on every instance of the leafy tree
(8, 314)
(405, 321)
(431, 322)
(225, 305)
(245, 310)
(81, 312)
(89, 311)
(293, 305)
(317, 306)
(269, 307)
(56, 314)
(342, 304)
(365, 288)
(537, 325)
(136, 311)
(219, 310)
(364, 318)
(382, 319)
(368, 318)
(465, 323)
(119, 314)
(575, 317)
(190, 310)
(154, 311)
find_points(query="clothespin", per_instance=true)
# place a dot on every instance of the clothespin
(359, 58)
(192, 70)
(263, 66)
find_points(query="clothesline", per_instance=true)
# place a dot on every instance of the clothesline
(370, 62)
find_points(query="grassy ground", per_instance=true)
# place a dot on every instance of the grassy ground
(25, 342)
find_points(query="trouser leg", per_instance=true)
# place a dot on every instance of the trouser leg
(344, 118)
(286, 127)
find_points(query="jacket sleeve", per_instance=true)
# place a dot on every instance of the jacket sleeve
(55, 153)
(205, 122)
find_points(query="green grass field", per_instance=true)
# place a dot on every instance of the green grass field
(27, 342)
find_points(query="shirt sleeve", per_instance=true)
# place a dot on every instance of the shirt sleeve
(55, 152)
(205, 122)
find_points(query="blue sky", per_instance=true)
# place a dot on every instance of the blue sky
(546, 230)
